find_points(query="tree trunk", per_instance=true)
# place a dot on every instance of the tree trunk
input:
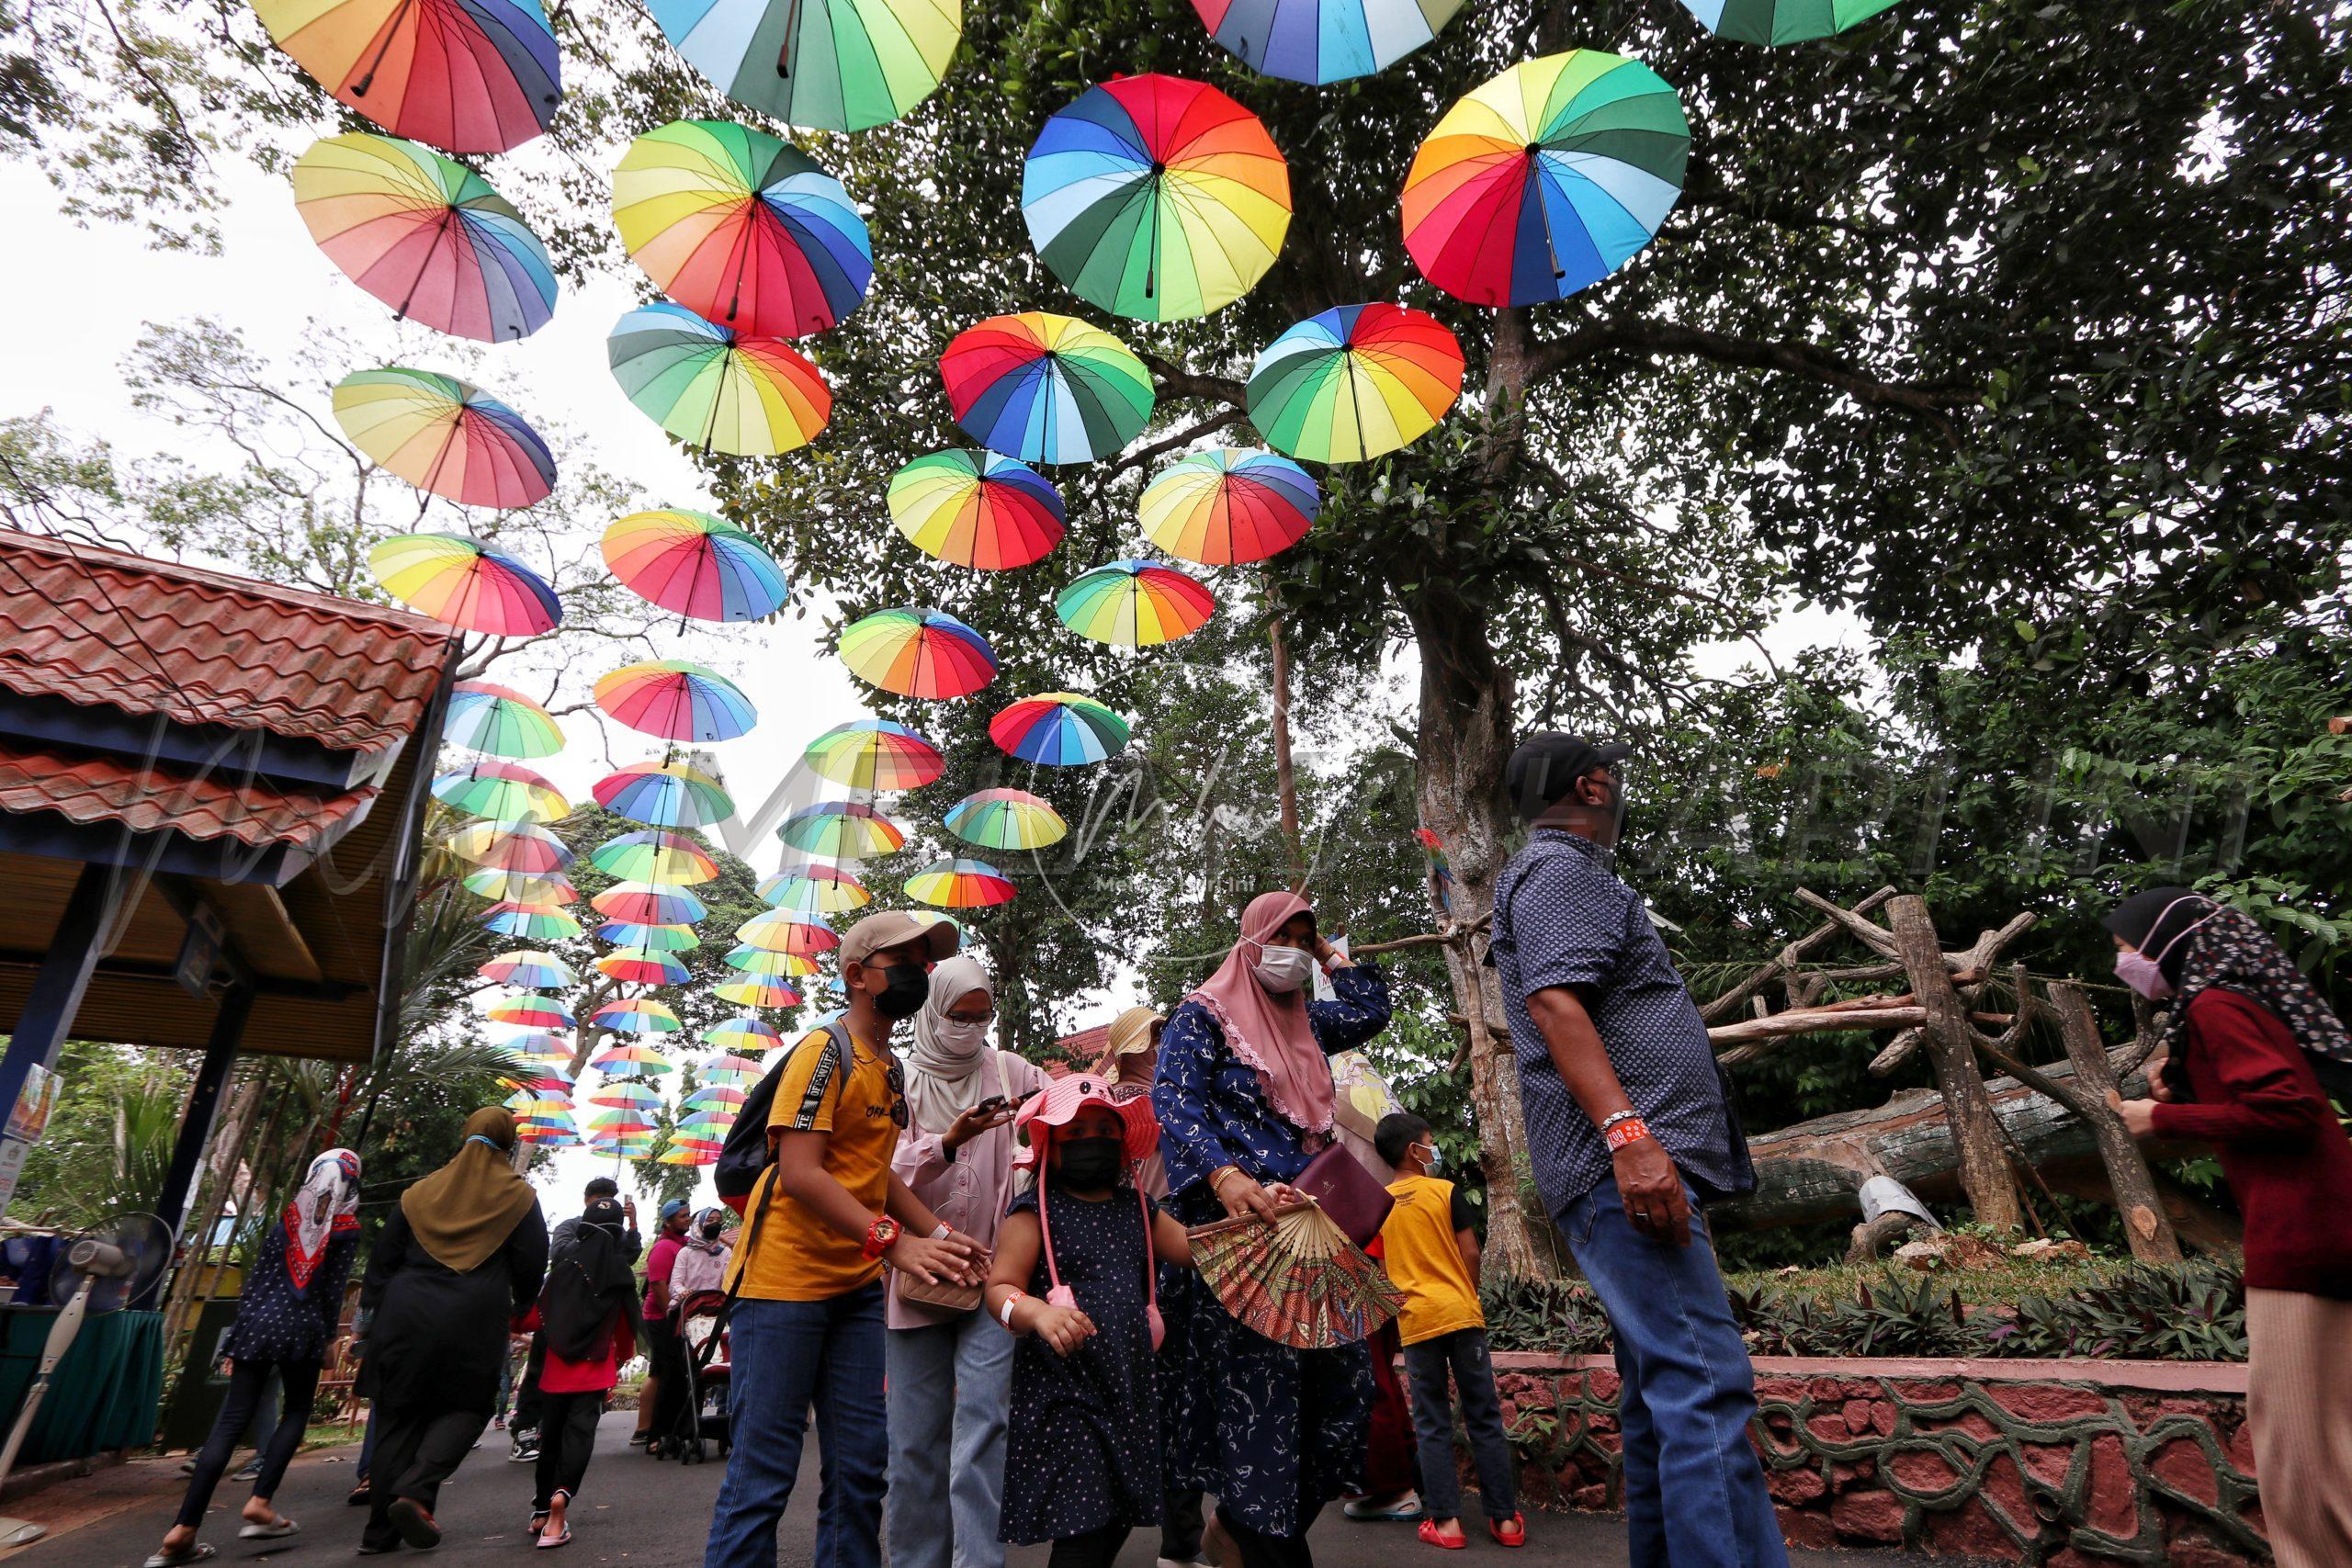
(1983, 1170)
(1285, 775)
(2144, 1224)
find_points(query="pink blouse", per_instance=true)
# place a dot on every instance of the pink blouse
(968, 1190)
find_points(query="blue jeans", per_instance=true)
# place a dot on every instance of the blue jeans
(790, 1358)
(1464, 1354)
(950, 1385)
(1689, 1393)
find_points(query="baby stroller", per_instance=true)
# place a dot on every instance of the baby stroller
(702, 1414)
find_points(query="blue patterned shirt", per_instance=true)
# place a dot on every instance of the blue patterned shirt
(1563, 917)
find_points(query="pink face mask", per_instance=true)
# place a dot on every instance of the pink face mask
(2145, 975)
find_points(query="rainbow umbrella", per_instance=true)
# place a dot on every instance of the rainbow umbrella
(874, 753)
(764, 965)
(960, 884)
(1061, 730)
(841, 829)
(1545, 179)
(742, 229)
(445, 435)
(1355, 382)
(619, 1123)
(1322, 41)
(677, 700)
(624, 1094)
(519, 887)
(745, 1033)
(1006, 820)
(695, 564)
(504, 792)
(657, 855)
(531, 1012)
(1224, 507)
(820, 64)
(466, 75)
(466, 583)
(715, 389)
(648, 904)
(1134, 603)
(511, 846)
(813, 889)
(1045, 389)
(701, 1136)
(662, 938)
(918, 653)
(804, 936)
(922, 917)
(677, 1153)
(717, 1094)
(1782, 21)
(530, 922)
(1156, 198)
(426, 235)
(529, 971)
(632, 1057)
(976, 509)
(500, 720)
(757, 993)
(732, 1070)
(642, 966)
(539, 1046)
(667, 794)
(636, 1015)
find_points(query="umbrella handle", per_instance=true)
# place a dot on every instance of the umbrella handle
(383, 46)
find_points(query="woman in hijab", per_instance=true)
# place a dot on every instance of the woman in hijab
(1245, 1100)
(285, 1319)
(587, 1311)
(950, 1371)
(2248, 1050)
(462, 1255)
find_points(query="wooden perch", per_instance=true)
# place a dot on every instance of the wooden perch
(1756, 1036)
(1426, 939)
(1787, 958)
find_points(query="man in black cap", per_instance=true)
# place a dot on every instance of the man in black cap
(1630, 1129)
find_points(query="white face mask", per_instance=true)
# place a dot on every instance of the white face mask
(1428, 1159)
(1282, 969)
(959, 1038)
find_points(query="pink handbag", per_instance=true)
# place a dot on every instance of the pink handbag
(1348, 1194)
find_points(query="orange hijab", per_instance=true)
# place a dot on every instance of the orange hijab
(1271, 1033)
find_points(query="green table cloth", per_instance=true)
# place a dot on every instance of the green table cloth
(103, 1395)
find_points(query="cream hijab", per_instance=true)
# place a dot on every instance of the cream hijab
(943, 1077)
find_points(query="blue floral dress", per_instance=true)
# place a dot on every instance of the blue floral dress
(1271, 1432)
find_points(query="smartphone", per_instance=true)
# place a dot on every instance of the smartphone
(993, 1105)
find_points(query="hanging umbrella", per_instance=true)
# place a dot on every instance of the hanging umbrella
(465, 584)
(819, 64)
(511, 846)
(1006, 820)
(1061, 729)
(636, 1015)
(813, 889)
(680, 1155)
(1224, 507)
(662, 938)
(426, 235)
(1134, 603)
(530, 922)
(531, 1012)
(841, 829)
(695, 564)
(642, 966)
(960, 884)
(1045, 389)
(874, 753)
(804, 936)
(504, 792)
(1782, 21)
(648, 904)
(742, 229)
(677, 700)
(757, 994)
(715, 389)
(445, 435)
(732, 1070)
(1322, 41)
(667, 794)
(1156, 198)
(632, 1057)
(717, 1094)
(518, 888)
(466, 75)
(1547, 179)
(625, 1094)
(655, 854)
(766, 964)
(1299, 1281)
(745, 1033)
(529, 971)
(1355, 382)
(976, 509)
(619, 1123)
(500, 720)
(538, 1047)
(918, 653)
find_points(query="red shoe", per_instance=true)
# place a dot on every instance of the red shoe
(1430, 1530)
(1512, 1531)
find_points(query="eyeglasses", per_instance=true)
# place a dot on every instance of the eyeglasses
(895, 1081)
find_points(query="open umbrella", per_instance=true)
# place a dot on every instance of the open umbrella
(518, 888)
(485, 717)
(636, 1015)
(632, 1058)
(976, 509)
(811, 889)
(1006, 820)
(841, 829)
(1545, 179)
(1782, 21)
(757, 993)
(725, 1099)
(804, 936)
(918, 653)
(1134, 603)
(667, 794)
(642, 966)
(762, 963)
(679, 1153)
(531, 1012)
(655, 854)
(1061, 729)
(745, 1033)
(1322, 41)
(1224, 507)
(716, 389)
(524, 847)
(530, 922)
(648, 904)
(662, 938)
(1355, 382)
(822, 64)
(732, 1069)
(539, 1048)
(742, 229)
(446, 436)
(960, 884)
(625, 1094)
(504, 792)
(675, 700)
(466, 75)
(529, 971)
(466, 583)
(695, 564)
(1156, 198)
(874, 753)
(1045, 389)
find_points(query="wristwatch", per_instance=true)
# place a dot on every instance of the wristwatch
(880, 1237)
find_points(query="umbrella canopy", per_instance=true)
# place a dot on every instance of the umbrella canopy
(1045, 389)
(1225, 507)
(445, 435)
(918, 653)
(530, 971)
(636, 1015)
(1782, 21)
(714, 1093)
(764, 965)
(624, 1094)
(465, 584)
(742, 229)
(960, 884)
(715, 389)
(632, 1058)
(642, 966)
(504, 792)
(804, 936)
(518, 888)
(757, 993)
(874, 753)
(655, 854)
(538, 1047)
(1545, 179)
(677, 700)
(662, 938)
(1134, 603)
(733, 1070)
(466, 75)
(745, 1033)
(822, 64)
(1156, 198)
(1322, 41)
(531, 1012)
(1006, 820)
(841, 829)
(679, 1153)
(1059, 728)
(976, 509)
(530, 922)
(523, 847)
(667, 794)
(695, 564)
(648, 904)
(500, 720)
(1355, 382)
(811, 889)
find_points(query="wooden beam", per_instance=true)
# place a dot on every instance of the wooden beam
(1983, 1170)
(1781, 964)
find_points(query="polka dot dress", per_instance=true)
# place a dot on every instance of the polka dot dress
(281, 1321)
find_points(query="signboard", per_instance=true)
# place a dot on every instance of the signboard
(29, 1116)
(200, 951)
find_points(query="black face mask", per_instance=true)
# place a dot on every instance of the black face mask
(1090, 1164)
(905, 989)
(710, 1232)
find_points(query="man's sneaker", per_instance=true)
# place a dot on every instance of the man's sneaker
(527, 1448)
(250, 1471)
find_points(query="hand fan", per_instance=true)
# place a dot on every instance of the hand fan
(1299, 1281)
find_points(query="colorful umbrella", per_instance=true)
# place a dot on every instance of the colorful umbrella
(466, 583)
(822, 64)
(530, 922)
(648, 904)
(976, 509)
(662, 938)
(713, 1093)
(841, 829)
(624, 1094)
(655, 854)
(804, 936)
(1045, 389)
(538, 1047)
(531, 1012)
(1061, 729)
(733, 1070)
(766, 964)
(742, 229)
(1134, 603)
(1547, 179)
(636, 1015)
(632, 1057)
(501, 721)
(1355, 382)
(1006, 820)
(918, 653)
(504, 792)
(810, 889)
(1224, 507)
(618, 1123)
(960, 884)
(1322, 41)
(667, 794)
(714, 388)
(426, 235)
(679, 1153)
(695, 564)
(520, 887)
(642, 966)
(529, 971)
(1156, 198)
(745, 1033)
(874, 753)
(511, 846)
(1782, 21)
(757, 994)
(677, 700)
(445, 435)
(466, 75)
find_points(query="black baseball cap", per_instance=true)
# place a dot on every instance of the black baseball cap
(1549, 762)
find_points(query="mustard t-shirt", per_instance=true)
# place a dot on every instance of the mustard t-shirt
(796, 1256)
(1417, 1246)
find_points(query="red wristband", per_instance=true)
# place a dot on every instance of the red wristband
(1631, 1130)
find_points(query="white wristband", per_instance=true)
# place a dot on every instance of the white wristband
(1004, 1315)
(943, 1231)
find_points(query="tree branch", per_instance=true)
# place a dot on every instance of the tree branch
(1932, 401)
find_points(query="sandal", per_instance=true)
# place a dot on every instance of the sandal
(196, 1553)
(1431, 1532)
(549, 1543)
(1511, 1531)
(277, 1530)
(415, 1522)
(360, 1496)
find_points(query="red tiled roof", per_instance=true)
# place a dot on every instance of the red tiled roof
(1085, 1047)
(150, 799)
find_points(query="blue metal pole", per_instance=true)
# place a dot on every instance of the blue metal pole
(66, 970)
(203, 1111)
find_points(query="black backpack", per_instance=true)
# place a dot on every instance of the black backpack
(747, 1152)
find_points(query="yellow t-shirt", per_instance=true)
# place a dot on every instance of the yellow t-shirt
(798, 1256)
(1423, 1261)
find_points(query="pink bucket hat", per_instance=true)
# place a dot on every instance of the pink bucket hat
(1059, 1102)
